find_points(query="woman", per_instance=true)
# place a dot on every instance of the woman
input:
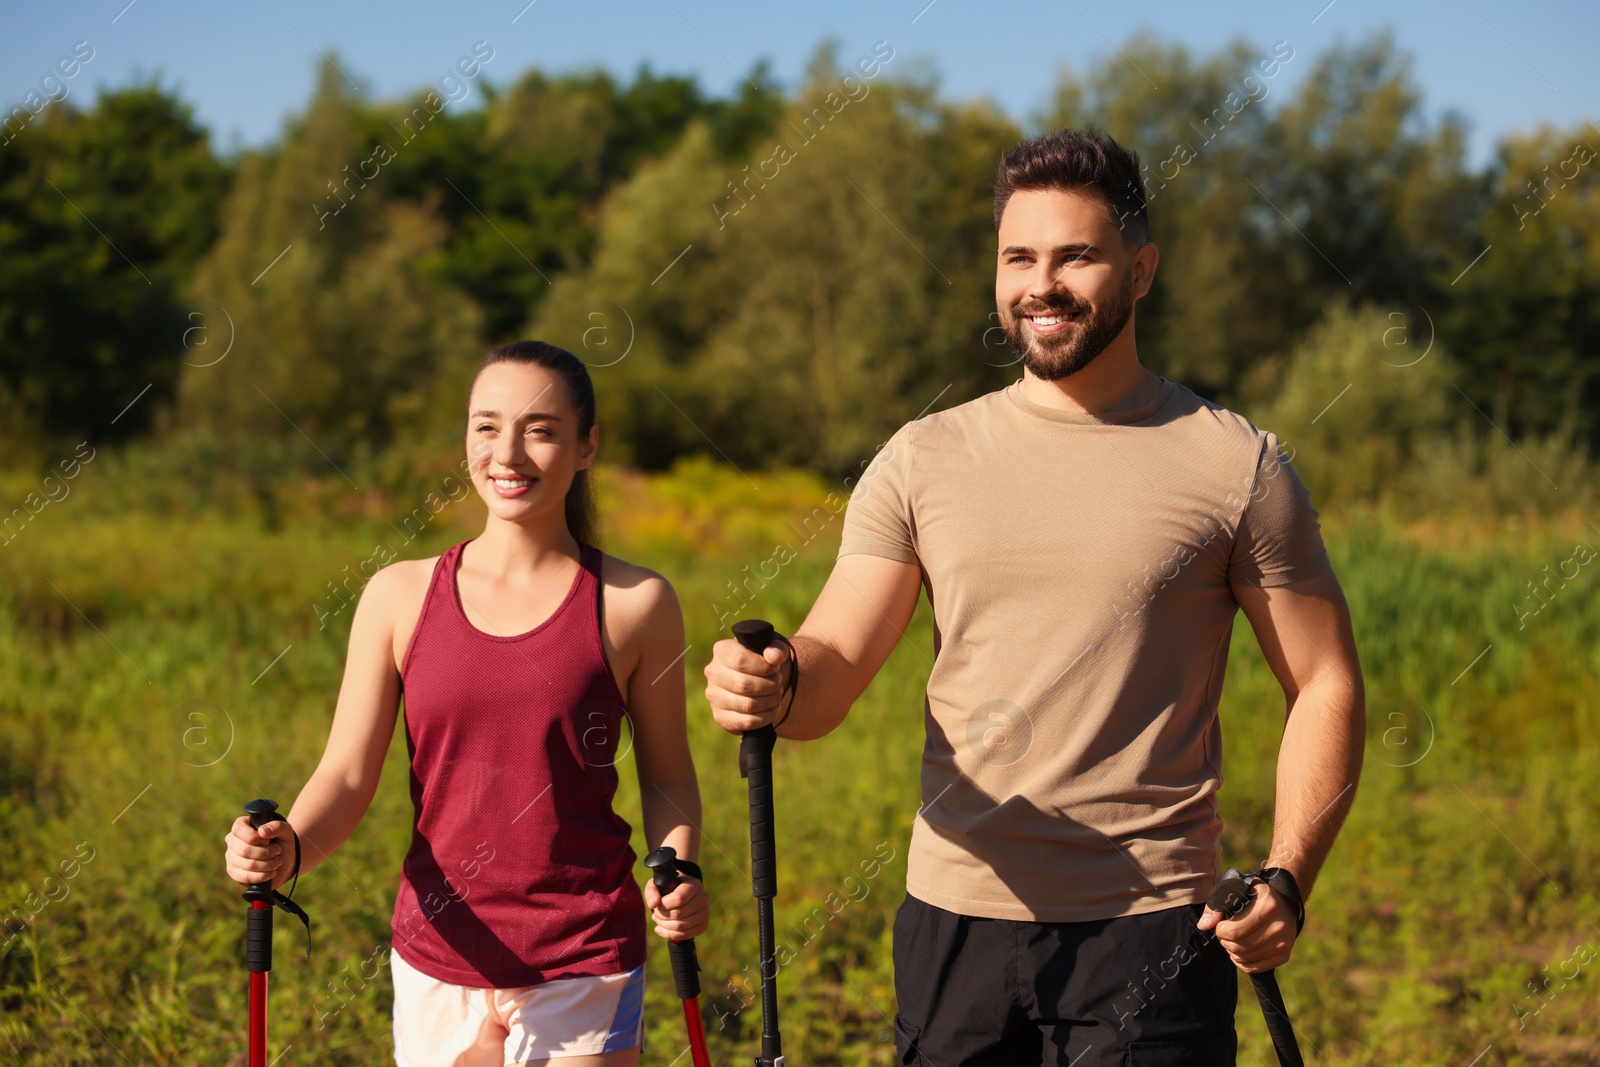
(518, 930)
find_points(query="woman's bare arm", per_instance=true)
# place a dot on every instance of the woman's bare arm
(645, 615)
(334, 800)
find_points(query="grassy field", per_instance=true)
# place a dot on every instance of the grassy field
(158, 667)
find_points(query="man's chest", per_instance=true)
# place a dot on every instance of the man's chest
(1090, 529)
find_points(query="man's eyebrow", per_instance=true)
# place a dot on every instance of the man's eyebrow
(1073, 249)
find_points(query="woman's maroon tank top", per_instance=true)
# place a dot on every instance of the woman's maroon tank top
(519, 870)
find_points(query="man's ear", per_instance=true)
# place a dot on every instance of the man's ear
(1145, 260)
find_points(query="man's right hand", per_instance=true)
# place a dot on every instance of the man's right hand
(746, 690)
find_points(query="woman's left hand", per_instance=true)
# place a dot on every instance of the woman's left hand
(681, 914)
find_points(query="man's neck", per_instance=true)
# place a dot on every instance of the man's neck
(1115, 381)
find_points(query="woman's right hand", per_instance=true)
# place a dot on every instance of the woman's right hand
(257, 855)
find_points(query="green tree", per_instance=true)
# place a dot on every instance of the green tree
(1200, 128)
(1268, 206)
(1381, 197)
(341, 326)
(539, 160)
(103, 215)
(797, 305)
(1364, 394)
(1526, 318)
(410, 234)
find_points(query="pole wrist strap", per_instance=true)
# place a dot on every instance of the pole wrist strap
(286, 902)
(1281, 882)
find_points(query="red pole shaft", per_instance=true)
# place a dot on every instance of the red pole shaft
(258, 1008)
(697, 1032)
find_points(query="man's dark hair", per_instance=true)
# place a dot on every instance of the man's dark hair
(1076, 160)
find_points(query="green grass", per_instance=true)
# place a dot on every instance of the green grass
(1456, 880)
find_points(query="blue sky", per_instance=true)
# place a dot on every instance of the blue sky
(244, 65)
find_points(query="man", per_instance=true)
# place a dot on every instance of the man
(1086, 536)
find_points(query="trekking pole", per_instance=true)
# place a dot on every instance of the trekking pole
(755, 765)
(1230, 896)
(663, 862)
(258, 935)
(258, 940)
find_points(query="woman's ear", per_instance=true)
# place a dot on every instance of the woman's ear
(589, 448)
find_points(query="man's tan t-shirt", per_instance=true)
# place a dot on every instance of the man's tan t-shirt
(1082, 571)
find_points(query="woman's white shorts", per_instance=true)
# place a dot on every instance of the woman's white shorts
(438, 1024)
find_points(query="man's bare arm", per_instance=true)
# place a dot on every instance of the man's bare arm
(851, 629)
(1305, 633)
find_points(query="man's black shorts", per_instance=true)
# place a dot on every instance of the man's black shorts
(1141, 991)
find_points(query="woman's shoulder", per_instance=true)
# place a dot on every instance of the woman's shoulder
(403, 579)
(395, 594)
(634, 592)
(398, 592)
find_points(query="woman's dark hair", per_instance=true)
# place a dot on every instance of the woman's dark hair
(581, 519)
(1073, 159)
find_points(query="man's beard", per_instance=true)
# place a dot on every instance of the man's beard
(1062, 355)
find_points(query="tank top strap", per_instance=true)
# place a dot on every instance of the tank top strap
(589, 559)
(436, 602)
(440, 601)
(593, 559)
(591, 587)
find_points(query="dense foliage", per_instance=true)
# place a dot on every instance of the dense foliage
(782, 277)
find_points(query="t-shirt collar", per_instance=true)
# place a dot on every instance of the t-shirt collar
(1086, 418)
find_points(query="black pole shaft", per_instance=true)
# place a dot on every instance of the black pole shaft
(755, 764)
(1277, 1017)
(771, 1039)
(755, 759)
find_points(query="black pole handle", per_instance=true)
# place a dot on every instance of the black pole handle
(258, 921)
(663, 862)
(1230, 896)
(755, 765)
